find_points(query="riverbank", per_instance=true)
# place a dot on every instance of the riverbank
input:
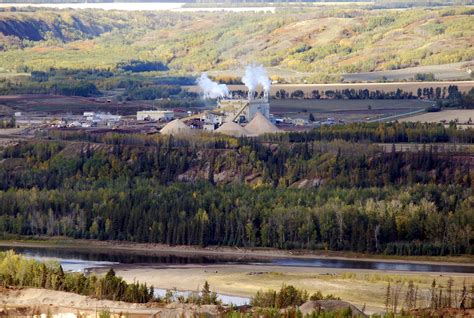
(362, 288)
(265, 253)
(241, 274)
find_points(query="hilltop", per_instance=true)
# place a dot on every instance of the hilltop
(315, 44)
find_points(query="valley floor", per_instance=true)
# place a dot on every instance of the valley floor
(363, 288)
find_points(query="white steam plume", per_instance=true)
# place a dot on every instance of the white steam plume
(211, 89)
(256, 75)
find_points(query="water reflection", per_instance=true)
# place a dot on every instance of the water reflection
(373, 265)
(86, 258)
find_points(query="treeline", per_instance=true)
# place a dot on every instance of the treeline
(315, 195)
(387, 133)
(19, 271)
(152, 92)
(448, 96)
(39, 86)
(344, 94)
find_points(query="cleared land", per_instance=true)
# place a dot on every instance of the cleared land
(459, 115)
(347, 110)
(55, 104)
(444, 72)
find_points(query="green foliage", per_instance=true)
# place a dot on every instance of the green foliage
(8, 122)
(142, 66)
(425, 77)
(288, 296)
(151, 189)
(16, 270)
(332, 42)
(152, 93)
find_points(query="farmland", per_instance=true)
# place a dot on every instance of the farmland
(459, 115)
(55, 104)
(346, 110)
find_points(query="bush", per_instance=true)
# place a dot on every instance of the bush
(288, 296)
(425, 77)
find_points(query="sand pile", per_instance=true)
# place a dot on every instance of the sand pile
(175, 127)
(232, 129)
(260, 125)
(58, 304)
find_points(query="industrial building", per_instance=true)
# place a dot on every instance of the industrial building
(155, 115)
(244, 110)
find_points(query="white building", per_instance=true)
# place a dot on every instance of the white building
(102, 117)
(212, 118)
(163, 115)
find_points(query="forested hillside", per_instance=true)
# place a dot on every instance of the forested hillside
(308, 191)
(319, 43)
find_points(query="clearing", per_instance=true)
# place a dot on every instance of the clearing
(461, 116)
(346, 110)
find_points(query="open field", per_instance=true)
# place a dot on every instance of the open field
(459, 115)
(347, 110)
(444, 72)
(55, 104)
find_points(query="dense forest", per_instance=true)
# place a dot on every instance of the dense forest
(316, 45)
(322, 190)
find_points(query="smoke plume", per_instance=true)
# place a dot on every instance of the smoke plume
(211, 89)
(256, 75)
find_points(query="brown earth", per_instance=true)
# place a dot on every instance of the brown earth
(36, 301)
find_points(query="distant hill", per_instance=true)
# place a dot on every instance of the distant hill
(318, 45)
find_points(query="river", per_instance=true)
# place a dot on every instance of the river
(78, 259)
(140, 6)
(84, 258)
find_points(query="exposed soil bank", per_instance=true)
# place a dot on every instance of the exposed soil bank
(35, 301)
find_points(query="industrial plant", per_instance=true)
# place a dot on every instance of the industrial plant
(233, 116)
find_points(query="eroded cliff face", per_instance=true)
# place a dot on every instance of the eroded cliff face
(17, 27)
